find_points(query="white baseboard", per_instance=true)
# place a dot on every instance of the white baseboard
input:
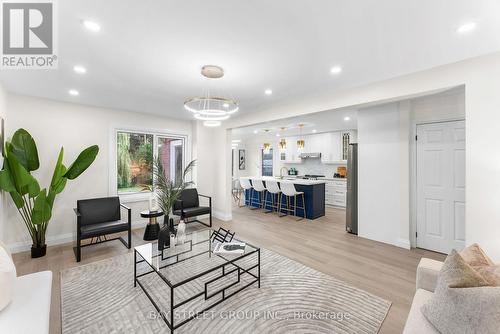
(223, 216)
(22, 246)
(403, 243)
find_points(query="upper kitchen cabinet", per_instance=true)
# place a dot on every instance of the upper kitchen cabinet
(330, 147)
(290, 154)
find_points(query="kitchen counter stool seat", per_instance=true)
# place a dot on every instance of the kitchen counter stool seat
(274, 190)
(289, 191)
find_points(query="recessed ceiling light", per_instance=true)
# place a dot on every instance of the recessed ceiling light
(91, 25)
(467, 27)
(236, 140)
(225, 105)
(255, 131)
(268, 92)
(79, 69)
(336, 70)
(73, 92)
(347, 118)
(314, 131)
(277, 135)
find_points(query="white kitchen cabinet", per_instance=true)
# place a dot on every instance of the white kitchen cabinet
(336, 193)
(313, 143)
(290, 155)
(331, 147)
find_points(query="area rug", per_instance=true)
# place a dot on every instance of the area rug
(100, 298)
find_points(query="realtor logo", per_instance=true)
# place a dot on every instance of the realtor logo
(28, 35)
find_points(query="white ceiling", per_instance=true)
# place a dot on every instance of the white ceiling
(325, 121)
(148, 54)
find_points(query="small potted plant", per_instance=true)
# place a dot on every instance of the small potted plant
(33, 203)
(167, 193)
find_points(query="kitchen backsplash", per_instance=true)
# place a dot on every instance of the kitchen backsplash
(314, 166)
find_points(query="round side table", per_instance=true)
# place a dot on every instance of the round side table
(152, 228)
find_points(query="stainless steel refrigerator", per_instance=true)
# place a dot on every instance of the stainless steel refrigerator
(352, 190)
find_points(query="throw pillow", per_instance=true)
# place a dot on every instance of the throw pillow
(463, 303)
(475, 256)
(7, 278)
(490, 273)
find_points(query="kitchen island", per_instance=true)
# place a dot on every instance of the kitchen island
(314, 193)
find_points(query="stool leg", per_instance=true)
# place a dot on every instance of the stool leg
(304, 205)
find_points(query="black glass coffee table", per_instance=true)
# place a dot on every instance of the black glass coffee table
(184, 281)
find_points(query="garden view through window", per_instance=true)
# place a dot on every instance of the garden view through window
(136, 153)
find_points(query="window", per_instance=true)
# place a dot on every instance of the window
(267, 163)
(136, 153)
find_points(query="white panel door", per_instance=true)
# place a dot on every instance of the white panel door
(441, 186)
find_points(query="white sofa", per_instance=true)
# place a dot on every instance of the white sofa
(427, 274)
(29, 309)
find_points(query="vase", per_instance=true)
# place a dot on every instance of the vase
(165, 231)
(38, 251)
(181, 232)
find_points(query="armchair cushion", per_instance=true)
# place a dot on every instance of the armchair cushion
(193, 212)
(189, 198)
(89, 231)
(427, 274)
(98, 210)
(7, 278)
(463, 302)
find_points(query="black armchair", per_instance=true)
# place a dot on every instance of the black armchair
(188, 206)
(97, 217)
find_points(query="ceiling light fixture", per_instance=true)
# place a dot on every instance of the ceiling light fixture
(73, 92)
(79, 69)
(208, 107)
(336, 70)
(236, 141)
(467, 27)
(255, 131)
(347, 118)
(314, 131)
(267, 146)
(268, 92)
(301, 143)
(282, 143)
(91, 25)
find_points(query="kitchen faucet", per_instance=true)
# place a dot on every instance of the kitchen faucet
(281, 171)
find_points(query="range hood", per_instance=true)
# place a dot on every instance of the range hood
(310, 155)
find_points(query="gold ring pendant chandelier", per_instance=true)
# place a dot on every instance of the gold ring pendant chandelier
(211, 109)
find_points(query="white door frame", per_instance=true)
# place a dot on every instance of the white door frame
(413, 174)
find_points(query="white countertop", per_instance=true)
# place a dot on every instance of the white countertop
(285, 179)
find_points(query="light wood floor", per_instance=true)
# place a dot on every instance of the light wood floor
(384, 270)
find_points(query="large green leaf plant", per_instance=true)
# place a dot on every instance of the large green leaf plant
(35, 204)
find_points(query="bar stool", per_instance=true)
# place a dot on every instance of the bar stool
(236, 191)
(288, 189)
(259, 187)
(273, 189)
(246, 185)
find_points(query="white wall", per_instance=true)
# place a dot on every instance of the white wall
(381, 199)
(481, 78)
(3, 197)
(385, 137)
(55, 124)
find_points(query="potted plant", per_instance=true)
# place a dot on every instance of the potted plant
(35, 204)
(167, 193)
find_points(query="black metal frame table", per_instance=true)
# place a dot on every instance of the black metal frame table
(194, 263)
(152, 228)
